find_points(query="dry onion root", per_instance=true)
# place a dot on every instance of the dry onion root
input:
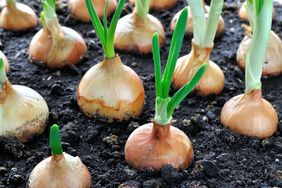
(273, 57)
(54, 45)
(17, 16)
(135, 31)
(243, 14)
(249, 114)
(61, 170)
(23, 111)
(202, 44)
(111, 90)
(189, 27)
(157, 144)
(5, 60)
(160, 4)
(79, 10)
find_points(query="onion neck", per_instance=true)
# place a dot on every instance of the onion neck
(5, 84)
(57, 158)
(200, 55)
(112, 61)
(11, 4)
(255, 94)
(142, 8)
(160, 132)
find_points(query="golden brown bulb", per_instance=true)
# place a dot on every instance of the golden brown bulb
(273, 57)
(160, 4)
(79, 10)
(112, 91)
(213, 80)
(155, 146)
(250, 115)
(134, 34)
(17, 17)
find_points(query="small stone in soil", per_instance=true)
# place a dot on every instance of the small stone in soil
(170, 175)
(153, 183)
(3, 170)
(130, 184)
(129, 173)
(208, 167)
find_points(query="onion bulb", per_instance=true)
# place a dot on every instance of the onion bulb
(243, 14)
(111, 90)
(54, 45)
(17, 16)
(134, 34)
(153, 145)
(273, 57)
(189, 26)
(23, 111)
(213, 80)
(160, 4)
(79, 10)
(61, 170)
(6, 63)
(57, 50)
(250, 115)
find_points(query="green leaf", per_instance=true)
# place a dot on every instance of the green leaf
(175, 47)
(55, 140)
(157, 63)
(185, 90)
(3, 76)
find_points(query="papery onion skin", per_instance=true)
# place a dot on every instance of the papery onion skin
(243, 14)
(250, 115)
(79, 10)
(112, 91)
(155, 146)
(273, 57)
(24, 113)
(189, 26)
(18, 18)
(68, 51)
(213, 80)
(160, 4)
(62, 171)
(135, 35)
(6, 63)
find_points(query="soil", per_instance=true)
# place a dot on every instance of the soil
(222, 158)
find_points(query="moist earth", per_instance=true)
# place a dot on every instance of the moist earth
(222, 158)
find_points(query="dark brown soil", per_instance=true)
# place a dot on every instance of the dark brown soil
(222, 158)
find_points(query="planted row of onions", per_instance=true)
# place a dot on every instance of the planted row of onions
(61, 169)
(54, 45)
(110, 89)
(202, 44)
(249, 114)
(159, 143)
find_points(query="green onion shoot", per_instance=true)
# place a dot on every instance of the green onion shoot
(5, 60)
(243, 13)
(249, 114)
(55, 45)
(202, 44)
(59, 170)
(135, 31)
(159, 143)
(110, 90)
(17, 16)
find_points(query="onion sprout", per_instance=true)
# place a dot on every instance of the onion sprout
(205, 31)
(165, 105)
(55, 140)
(105, 33)
(142, 8)
(260, 16)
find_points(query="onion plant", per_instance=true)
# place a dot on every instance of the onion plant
(59, 170)
(189, 27)
(110, 89)
(135, 31)
(243, 13)
(54, 45)
(249, 114)
(202, 44)
(17, 16)
(159, 4)
(159, 143)
(79, 11)
(24, 113)
(5, 60)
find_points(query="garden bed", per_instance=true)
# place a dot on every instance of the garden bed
(222, 158)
